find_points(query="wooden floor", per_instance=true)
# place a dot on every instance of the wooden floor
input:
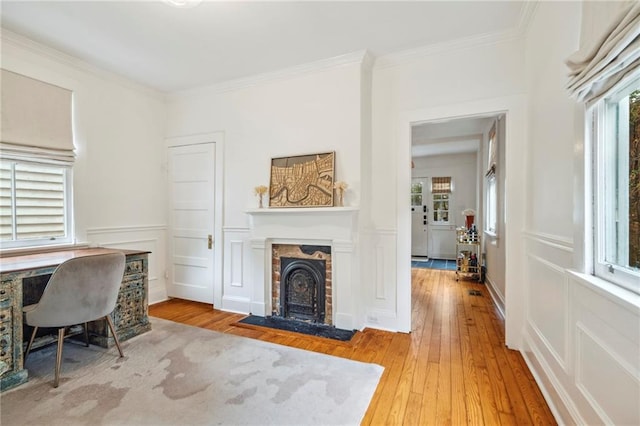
(453, 369)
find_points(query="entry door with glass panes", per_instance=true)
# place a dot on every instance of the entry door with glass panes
(419, 217)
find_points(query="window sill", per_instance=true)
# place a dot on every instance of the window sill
(491, 235)
(608, 289)
(40, 249)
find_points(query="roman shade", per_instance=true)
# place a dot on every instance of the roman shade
(36, 122)
(441, 185)
(492, 157)
(610, 60)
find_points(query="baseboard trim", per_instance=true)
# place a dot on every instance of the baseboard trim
(559, 402)
(497, 299)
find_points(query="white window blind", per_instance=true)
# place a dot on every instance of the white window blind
(608, 61)
(441, 185)
(36, 120)
(32, 202)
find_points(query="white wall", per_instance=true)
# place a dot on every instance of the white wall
(118, 176)
(315, 112)
(309, 112)
(479, 79)
(582, 335)
(463, 171)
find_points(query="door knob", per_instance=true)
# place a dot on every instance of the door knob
(210, 242)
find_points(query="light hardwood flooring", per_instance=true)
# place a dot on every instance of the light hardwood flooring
(452, 369)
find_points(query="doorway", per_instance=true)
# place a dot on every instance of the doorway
(446, 160)
(455, 151)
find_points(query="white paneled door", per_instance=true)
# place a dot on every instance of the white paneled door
(191, 198)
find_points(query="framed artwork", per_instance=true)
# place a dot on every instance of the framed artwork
(302, 181)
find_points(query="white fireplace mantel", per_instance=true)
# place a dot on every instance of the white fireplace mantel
(324, 223)
(333, 226)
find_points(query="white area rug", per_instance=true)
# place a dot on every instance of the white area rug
(182, 375)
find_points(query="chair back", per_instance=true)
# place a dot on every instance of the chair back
(80, 290)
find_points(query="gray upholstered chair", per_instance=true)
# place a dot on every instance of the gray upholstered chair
(80, 290)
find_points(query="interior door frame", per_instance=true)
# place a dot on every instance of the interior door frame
(514, 108)
(217, 138)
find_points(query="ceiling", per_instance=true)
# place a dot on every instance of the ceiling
(171, 49)
(456, 136)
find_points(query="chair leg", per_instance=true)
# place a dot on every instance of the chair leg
(86, 334)
(115, 336)
(59, 356)
(33, 336)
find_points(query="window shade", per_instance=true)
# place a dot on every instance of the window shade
(492, 156)
(610, 60)
(441, 185)
(36, 120)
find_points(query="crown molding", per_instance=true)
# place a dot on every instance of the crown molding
(359, 57)
(9, 38)
(368, 60)
(526, 16)
(409, 55)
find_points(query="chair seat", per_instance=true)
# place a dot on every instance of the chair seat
(80, 290)
(29, 308)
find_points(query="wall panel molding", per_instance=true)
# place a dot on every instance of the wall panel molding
(601, 381)
(236, 262)
(593, 382)
(560, 401)
(237, 246)
(542, 322)
(558, 242)
(150, 238)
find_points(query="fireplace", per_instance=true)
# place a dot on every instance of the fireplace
(302, 289)
(301, 282)
(328, 234)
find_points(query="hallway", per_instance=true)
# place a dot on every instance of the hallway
(452, 369)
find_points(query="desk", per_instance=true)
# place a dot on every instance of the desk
(130, 316)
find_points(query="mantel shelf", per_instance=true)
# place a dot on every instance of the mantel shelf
(301, 210)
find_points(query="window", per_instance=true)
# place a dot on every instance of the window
(492, 203)
(36, 156)
(441, 208)
(617, 187)
(416, 193)
(491, 216)
(441, 191)
(34, 200)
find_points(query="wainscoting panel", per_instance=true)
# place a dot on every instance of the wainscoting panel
(612, 402)
(236, 294)
(237, 262)
(582, 338)
(379, 257)
(547, 301)
(148, 238)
